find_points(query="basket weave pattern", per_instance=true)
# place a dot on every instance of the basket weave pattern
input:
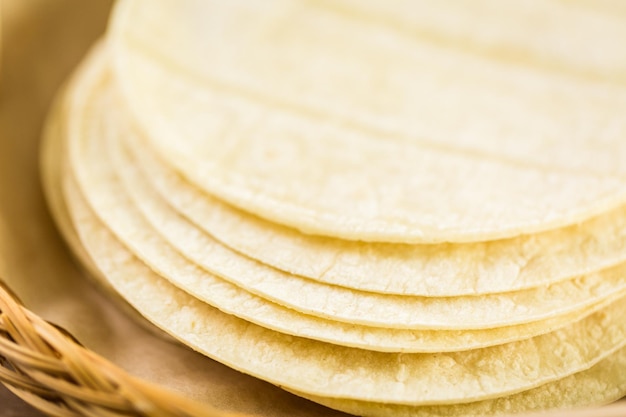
(49, 369)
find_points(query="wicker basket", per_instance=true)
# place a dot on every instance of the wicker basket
(40, 362)
(48, 368)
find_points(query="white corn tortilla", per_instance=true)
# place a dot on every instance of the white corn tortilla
(527, 33)
(335, 126)
(52, 170)
(600, 385)
(222, 384)
(93, 118)
(320, 369)
(127, 223)
(218, 293)
(426, 270)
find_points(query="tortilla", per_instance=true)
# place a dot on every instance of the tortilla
(601, 384)
(51, 166)
(162, 263)
(282, 105)
(318, 368)
(232, 300)
(127, 223)
(94, 119)
(500, 31)
(610, 7)
(510, 307)
(321, 369)
(425, 270)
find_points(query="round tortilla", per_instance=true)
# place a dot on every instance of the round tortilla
(337, 126)
(601, 384)
(233, 300)
(94, 119)
(321, 369)
(53, 168)
(424, 270)
(52, 150)
(114, 207)
(500, 30)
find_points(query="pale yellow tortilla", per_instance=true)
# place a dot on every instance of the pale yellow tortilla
(51, 166)
(601, 384)
(128, 224)
(406, 311)
(321, 369)
(339, 127)
(46, 40)
(224, 385)
(231, 299)
(615, 8)
(528, 33)
(427, 270)
(94, 118)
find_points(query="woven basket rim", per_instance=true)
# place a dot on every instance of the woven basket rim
(48, 368)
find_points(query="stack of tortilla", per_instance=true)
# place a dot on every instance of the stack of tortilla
(406, 208)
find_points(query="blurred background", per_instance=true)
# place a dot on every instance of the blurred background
(42, 40)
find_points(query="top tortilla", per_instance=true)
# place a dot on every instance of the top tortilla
(338, 125)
